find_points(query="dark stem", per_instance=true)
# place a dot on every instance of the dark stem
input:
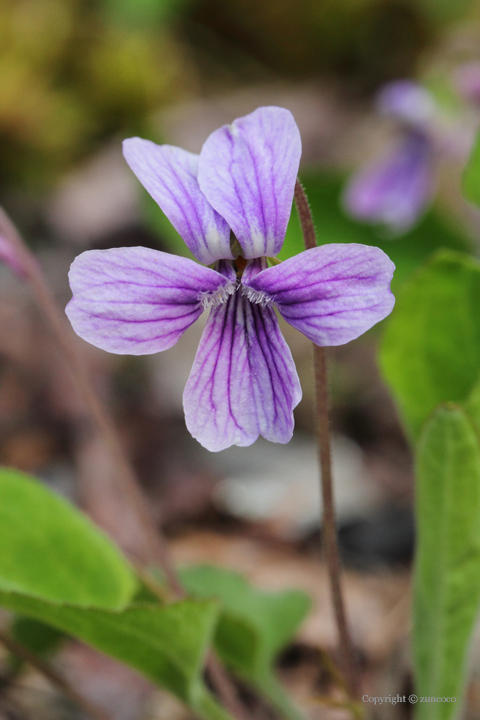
(49, 672)
(226, 690)
(157, 548)
(329, 532)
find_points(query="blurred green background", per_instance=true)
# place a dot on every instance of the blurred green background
(75, 72)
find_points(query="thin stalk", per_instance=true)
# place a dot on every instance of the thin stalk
(329, 532)
(157, 547)
(51, 674)
(225, 688)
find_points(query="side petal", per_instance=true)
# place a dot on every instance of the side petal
(247, 171)
(137, 301)
(170, 176)
(332, 293)
(243, 382)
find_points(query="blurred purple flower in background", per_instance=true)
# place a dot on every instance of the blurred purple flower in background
(231, 205)
(10, 256)
(395, 189)
(467, 82)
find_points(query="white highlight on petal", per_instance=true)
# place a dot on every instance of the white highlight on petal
(219, 297)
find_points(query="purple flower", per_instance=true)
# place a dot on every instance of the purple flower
(467, 82)
(395, 189)
(408, 101)
(231, 205)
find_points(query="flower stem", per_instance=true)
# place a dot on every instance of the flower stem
(157, 551)
(25, 654)
(329, 532)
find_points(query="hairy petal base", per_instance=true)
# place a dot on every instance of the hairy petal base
(332, 293)
(243, 382)
(137, 301)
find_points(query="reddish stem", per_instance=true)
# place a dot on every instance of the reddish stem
(329, 532)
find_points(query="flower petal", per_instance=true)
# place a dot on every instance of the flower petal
(395, 189)
(252, 269)
(247, 171)
(137, 301)
(408, 101)
(332, 293)
(170, 176)
(467, 81)
(243, 382)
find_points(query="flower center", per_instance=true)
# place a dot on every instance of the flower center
(239, 265)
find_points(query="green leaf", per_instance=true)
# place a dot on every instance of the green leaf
(143, 13)
(42, 639)
(167, 644)
(447, 564)
(471, 175)
(50, 550)
(445, 10)
(431, 348)
(472, 405)
(253, 627)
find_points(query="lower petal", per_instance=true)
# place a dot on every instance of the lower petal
(243, 382)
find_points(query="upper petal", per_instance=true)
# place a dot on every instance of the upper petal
(243, 382)
(137, 301)
(170, 176)
(247, 171)
(332, 293)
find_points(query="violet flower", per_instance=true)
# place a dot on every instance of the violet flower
(395, 189)
(467, 82)
(231, 205)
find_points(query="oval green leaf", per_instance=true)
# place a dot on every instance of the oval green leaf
(167, 644)
(471, 175)
(447, 563)
(50, 550)
(431, 349)
(253, 627)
